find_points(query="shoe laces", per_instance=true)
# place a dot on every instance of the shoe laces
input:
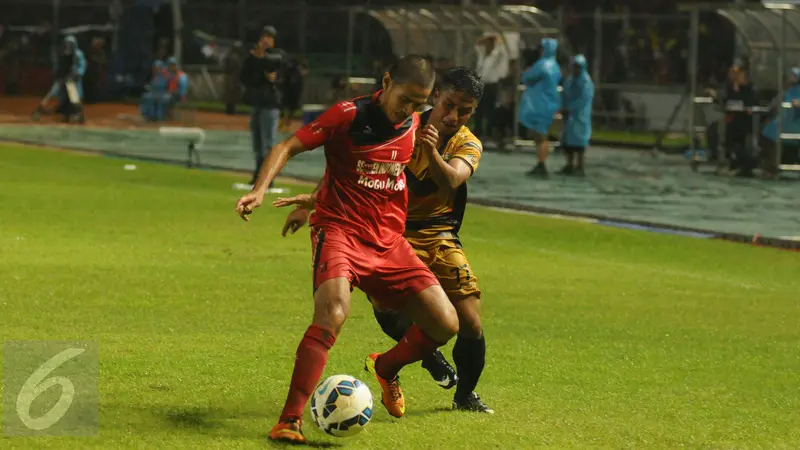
(475, 400)
(394, 389)
(296, 424)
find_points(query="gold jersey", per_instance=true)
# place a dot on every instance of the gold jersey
(433, 211)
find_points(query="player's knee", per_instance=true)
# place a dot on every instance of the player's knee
(449, 324)
(470, 327)
(331, 307)
(331, 315)
(469, 317)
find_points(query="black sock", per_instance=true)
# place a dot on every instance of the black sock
(393, 324)
(469, 355)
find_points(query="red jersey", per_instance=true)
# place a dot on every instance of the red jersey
(364, 188)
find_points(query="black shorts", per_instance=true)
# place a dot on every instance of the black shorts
(574, 148)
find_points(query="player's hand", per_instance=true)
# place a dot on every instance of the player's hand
(248, 203)
(272, 76)
(295, 220)
(429, 138)
(305, 201)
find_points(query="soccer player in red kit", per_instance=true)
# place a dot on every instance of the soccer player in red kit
(357, 233)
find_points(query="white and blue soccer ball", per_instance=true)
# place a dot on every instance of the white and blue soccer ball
(341, 406)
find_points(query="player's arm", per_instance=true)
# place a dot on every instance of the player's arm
(311, 136)
(447, 174)
(301, 201)
(533, 74)
(276, 161)
(304, 204)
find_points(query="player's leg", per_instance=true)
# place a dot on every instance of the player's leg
(469, 356)
(331, 306)
(451, 266)
(333, 278)
(395, 325)
(435, 322)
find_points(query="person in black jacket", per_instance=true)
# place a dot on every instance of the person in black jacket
(296, 71)
(260, 76)
(740, 97)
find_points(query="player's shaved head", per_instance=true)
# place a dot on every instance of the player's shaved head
(406, 87)
(413, 69)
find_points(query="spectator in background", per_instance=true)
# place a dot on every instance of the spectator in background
(233, 88)
(578, 96)
(95, 68)
(177, 86)
(492, 67)
(741, 96)
(502, 124)
(153, 100)
(260, 77)
(293, 84)
(541, 101)
(790, 123)
(70, 70)
(162, 49)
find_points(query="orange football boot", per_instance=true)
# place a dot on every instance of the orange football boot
(392, 395)
(288, 431)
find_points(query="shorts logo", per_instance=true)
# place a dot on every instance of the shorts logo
(389, 183)
(463, 276)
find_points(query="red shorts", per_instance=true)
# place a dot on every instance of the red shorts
(392, 275)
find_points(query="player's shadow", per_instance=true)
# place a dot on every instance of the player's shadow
(428, 412)
(310, 444)
(193, 417)
(212, 421)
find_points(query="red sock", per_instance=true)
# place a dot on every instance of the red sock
(312, 355)
(412, 348)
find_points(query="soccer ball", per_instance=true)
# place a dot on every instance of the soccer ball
(341, 406)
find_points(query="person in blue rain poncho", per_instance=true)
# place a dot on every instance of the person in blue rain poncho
(68, 86)
(541, 101)
(790, 123)
(578, 95)
(152, 102)
(177, 86)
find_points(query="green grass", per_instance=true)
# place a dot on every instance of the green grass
(597, 337)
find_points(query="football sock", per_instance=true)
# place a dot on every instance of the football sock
(411, 348)
(469, 355)
(395, 325)
(312, 355)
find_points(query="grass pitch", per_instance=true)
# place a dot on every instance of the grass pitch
(597, 337)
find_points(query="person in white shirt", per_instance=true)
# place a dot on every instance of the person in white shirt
(493, 60)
